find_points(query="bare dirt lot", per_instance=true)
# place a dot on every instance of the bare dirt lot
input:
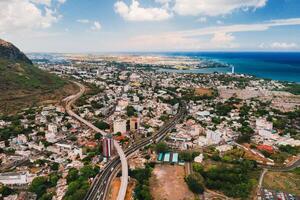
(113, 194)
(203, 91)
(167, 183)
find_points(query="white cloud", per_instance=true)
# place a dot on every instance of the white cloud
(223, 40)
(221, 37)
(215, 7)
(96, 26)
(16, 15)
(283, 45)
(134, 12)
(262, 45)
(165, 3)
(83, 21)
(48, 2)
(61, 1)
(44, 2)
(219, 22)
(202, 19)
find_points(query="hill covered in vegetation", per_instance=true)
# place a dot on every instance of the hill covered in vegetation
(22, 84)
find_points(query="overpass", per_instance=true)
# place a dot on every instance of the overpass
(124, 179)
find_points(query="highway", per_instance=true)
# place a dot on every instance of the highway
(121, 155)
(101, 184)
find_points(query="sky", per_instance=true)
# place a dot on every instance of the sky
(90, 26)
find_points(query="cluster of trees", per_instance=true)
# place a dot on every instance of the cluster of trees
(91, 153)
(41, 184)
(188, 156)
(172, 101)
(279, 123)
(130, 111)
(195, 183)
(161, 147)
(13, 130)
(246, 134)
(232, 181)
(164, 118)
(223, 109)
(142, 190)
(96, 105)
(293, 88)
(289, 149)
(6, 191)
(102, 125)
(78, 184)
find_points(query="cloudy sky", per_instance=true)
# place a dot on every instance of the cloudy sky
(151, 25)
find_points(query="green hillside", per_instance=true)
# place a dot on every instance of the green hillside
(23, 85)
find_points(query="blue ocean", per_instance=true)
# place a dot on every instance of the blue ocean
(283, 66)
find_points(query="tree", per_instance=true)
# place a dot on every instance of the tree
(195, 182)
(54, 166)
(130, 111)
(161, 147)
(102, 125)
(6, 191)
(87, 171)
(198, 168)
(72, 175)
(186, 156)
(97, 136)
(39, 185)
(46, 196)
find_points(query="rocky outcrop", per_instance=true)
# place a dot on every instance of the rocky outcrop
(10, 52)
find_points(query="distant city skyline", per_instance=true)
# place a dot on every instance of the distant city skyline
(151, 25)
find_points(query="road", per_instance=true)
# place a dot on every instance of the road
(121, 155)
(262, 178)
(102, 182)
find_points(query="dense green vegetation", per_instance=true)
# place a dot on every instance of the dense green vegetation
(293, 88)
(13, 130)
(142, 191)
(246, 134)
(78, 184)
(195, 182)
(23, 75)
(41, 184)
(6, 191)
(161, 147)
(188, 156)
(289, 149)
(223, 109)
(130, 111)
(102, 125)
(234, 181)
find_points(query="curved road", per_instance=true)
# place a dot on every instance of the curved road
(124, 180)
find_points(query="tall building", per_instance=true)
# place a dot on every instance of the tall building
(213, 137)
(120, 126)
(108, 146)
(134, 124)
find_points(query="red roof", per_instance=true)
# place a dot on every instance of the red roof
(265, 148)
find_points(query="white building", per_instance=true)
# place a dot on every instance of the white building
(52, 128)
(14, 178)
(263, 124)
(120, 126)
(213, 137)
